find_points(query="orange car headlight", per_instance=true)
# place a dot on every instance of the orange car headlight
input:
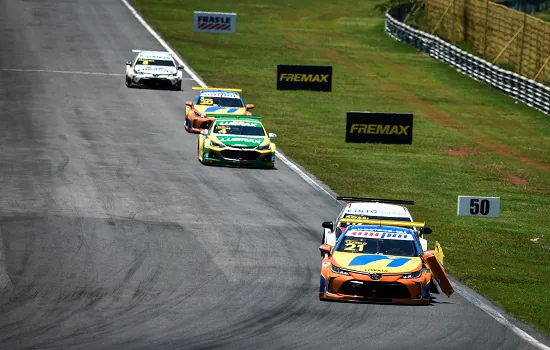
(414, 274)
(339, 270)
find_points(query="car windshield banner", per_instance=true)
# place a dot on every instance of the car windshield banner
(215, 22)
(296, 77)
(373, 127)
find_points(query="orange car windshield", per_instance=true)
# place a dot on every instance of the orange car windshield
(220, 101)
(377, 246)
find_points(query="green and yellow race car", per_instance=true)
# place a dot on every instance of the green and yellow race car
(237, 140)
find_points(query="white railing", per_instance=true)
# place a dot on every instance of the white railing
(526, 90)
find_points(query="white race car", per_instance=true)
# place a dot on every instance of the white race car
(154, 69)
(368, 208)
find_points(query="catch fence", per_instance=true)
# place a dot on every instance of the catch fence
(515, 85)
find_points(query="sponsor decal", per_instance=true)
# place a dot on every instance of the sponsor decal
(314, 78)
(372, 211)
(238, 123)
(217, 109)
(215, 22)
(373, 127)
(382, 235)
(297, 77)
(240, 139)
(368, 259)
(219, 94)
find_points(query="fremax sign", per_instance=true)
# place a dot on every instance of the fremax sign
(374, 127)
(215, 22)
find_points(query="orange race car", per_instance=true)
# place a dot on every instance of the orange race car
(201, 112)
(382, 261)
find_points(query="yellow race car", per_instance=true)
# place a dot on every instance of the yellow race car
(237, 140)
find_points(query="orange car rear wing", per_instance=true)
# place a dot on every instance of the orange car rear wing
(383, 222)
(215, 88)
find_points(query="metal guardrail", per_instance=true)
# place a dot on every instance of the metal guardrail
(526, 90)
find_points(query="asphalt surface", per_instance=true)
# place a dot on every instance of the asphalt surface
(113, 236)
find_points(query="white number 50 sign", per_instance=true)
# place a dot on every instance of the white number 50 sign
(478, 206)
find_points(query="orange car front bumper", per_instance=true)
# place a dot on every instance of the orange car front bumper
(388, 289)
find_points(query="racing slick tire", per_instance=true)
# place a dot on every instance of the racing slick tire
(177, 87)
(187, 125)
(198, 150)
(323, 242)
(128, 82)
(201, 160)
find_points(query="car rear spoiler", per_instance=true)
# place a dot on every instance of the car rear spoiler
(383, 222)
(215, 88)
(376, 200)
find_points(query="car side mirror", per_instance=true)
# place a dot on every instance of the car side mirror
(189, 103)
(272, 135)
(328, 224)
(325, 248)
(426, 231)
(204, 132)
(249, 106)
(128, 63)
(180, 67)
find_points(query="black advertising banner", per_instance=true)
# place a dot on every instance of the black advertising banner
(295, 77)
(372, 127)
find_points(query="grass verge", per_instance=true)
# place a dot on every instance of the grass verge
(469, 139)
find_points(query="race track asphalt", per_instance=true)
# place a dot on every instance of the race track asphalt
(114, 236)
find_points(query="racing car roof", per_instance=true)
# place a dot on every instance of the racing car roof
(159, 55)
(377, 209)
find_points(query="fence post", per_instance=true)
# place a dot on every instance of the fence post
(541, 68)
(453, 14)
(522, 41)
(443, 15)
(485, 33)
(508, 44)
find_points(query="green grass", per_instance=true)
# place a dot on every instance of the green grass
(505, 146)
(544, 15)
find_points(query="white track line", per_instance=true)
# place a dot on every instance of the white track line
(58, 71)
(471, 298)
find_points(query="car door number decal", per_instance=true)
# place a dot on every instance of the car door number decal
(355, 245)
(206, 101)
